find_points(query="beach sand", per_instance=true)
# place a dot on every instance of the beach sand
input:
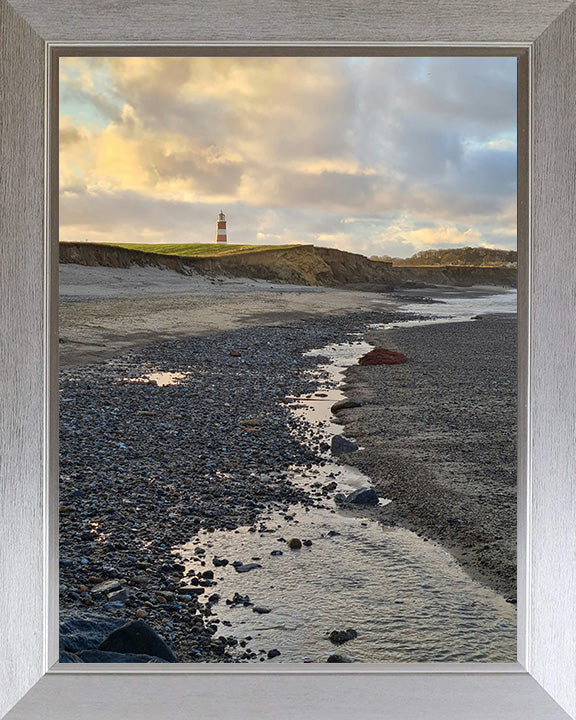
(105, 311)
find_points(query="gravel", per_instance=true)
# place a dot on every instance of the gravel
(439, 438)
(144, 467)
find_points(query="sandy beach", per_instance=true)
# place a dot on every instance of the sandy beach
(104, 311)
(176, 404)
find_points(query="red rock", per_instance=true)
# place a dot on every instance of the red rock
(380, 356)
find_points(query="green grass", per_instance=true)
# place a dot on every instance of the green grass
(199, 249)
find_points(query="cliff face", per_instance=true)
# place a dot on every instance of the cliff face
(461, 276)
(301, 265)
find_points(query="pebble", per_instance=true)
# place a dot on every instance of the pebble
(338, 637)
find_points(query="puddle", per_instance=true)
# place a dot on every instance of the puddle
(159, 378)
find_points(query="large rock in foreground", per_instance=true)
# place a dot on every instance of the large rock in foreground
(83, 633)
(137, 638)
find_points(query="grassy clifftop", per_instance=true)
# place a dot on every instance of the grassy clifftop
(200, 249)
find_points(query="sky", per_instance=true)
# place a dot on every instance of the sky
(381, 156)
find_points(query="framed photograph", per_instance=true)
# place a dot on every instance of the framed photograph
(539, 40)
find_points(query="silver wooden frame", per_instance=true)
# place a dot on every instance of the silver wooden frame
(542, 685)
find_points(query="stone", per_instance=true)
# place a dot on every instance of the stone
(363, 496)
(106, 587)
(78, 634)
(101, 656)
(347, 403)
(336, 658)
(246, 568)
(68, 657)
(294, 544)
(261, 610)
(338, 637)
(137, 637)
(121, 595)
(381, 356)
(307, 543)
(276, 552)
(273, 653)
(341, 445)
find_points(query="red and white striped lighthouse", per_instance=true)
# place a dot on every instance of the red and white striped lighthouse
(221, 236)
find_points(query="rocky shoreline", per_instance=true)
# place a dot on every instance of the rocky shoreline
(144, 466)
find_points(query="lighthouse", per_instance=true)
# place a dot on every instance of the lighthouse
(221, 228)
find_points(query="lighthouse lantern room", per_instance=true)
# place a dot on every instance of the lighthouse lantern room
(221, 236)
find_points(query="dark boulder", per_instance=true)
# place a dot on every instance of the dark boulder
(138, 638)
(82, 633)
(363, 496)
(337, 658)
(100, 656)
(341, 445)
(341, 636)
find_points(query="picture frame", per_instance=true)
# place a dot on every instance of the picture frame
(542, 685)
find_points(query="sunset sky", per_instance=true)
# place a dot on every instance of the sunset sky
(382, 156)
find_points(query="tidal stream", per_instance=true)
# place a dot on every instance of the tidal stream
(407, 598)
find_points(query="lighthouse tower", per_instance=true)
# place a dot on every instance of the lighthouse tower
(221, 236)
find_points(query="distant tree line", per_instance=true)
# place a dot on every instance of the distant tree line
(476, 256)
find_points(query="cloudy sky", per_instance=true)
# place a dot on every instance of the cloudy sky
(383, 156)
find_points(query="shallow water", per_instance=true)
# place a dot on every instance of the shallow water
(408, 599)
(457, 309)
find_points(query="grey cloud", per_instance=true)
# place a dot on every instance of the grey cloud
(413, 119)
(69, 135)
(213, 178)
